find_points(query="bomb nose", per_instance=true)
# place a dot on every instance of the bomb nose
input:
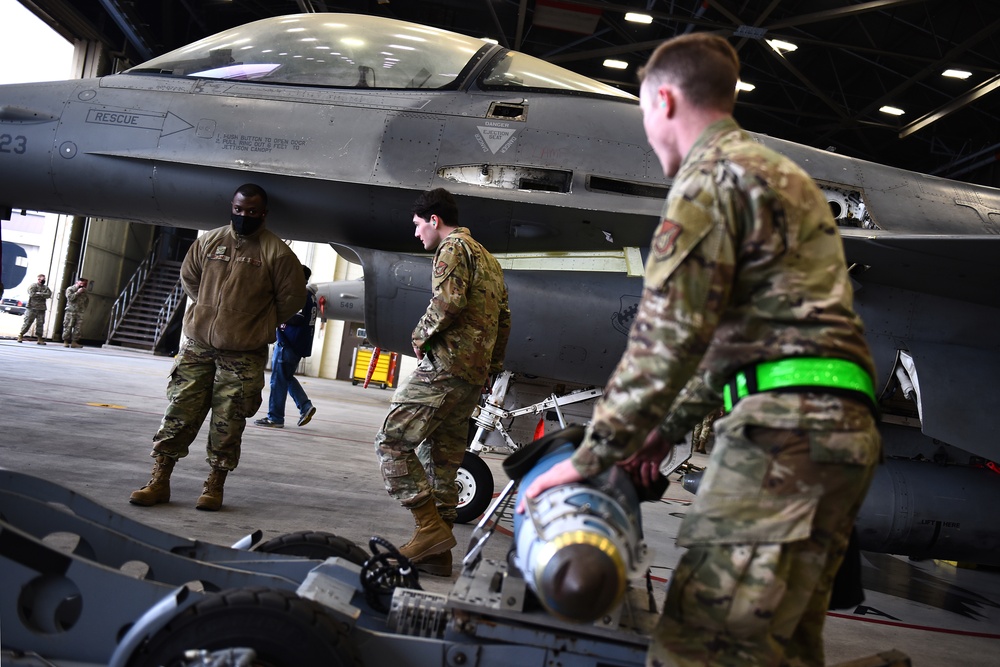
(582, 582)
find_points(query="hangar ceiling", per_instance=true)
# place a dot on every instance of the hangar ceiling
(852, 58)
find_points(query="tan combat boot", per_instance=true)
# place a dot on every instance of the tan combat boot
(65, 343)
(211, 495)
(75, 344)
(439, 565)
(433, 535)
(41, 339)
(20, 338)
(158, 489)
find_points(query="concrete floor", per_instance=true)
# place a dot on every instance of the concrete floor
(84, 419)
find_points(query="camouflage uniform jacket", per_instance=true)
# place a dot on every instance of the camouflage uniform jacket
(76, 299)
(241, 288)
(37, 295)
(746, 266)
(467, 322)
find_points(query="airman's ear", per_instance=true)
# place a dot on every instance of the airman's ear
(668, 100)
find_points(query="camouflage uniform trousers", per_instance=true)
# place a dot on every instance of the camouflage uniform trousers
(34, 316)
(202, 379)
(72, 323)
(702, 436)
(766, 536)
(423, 440)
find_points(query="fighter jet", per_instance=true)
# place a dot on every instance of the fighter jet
(344, 119)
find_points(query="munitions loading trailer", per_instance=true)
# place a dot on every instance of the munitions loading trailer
(83, 585)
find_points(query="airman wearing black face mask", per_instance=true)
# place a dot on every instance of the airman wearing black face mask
(243, 281)
(245, 225)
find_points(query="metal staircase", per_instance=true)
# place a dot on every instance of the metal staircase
(144, 310)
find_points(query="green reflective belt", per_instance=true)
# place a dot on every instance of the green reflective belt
(800, 374)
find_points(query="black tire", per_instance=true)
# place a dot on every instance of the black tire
(475, 487)
(315, 544)
(283, 629)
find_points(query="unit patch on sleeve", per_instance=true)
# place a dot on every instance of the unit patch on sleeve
(665, 238)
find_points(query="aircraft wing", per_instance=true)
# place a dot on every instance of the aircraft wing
(935, 297)
(963, 267)
(960, 403)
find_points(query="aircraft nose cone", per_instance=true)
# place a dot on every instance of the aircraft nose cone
(580, 583)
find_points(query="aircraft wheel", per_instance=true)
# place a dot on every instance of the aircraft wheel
(283, 629)
(475, 487)
(315, 544)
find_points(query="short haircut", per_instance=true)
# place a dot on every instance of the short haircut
(437, 202)
(704, 66)
(306, 270)
(252, 190)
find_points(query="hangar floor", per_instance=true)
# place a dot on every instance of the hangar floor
(83, 418)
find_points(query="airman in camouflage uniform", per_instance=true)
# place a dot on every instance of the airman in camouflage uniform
(34, 312)
(746, 274)
(242, 281)
(459, 341)
(77, 298)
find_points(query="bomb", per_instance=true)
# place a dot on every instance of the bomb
(577, 545)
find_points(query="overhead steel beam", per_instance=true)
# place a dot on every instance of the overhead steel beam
(608, 51)
(496, 22)
(988, 32)
(522, 12)
(985, 88)
(852, 10)
(130, 27)
(66, 21)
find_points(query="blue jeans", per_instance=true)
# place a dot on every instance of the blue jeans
(283, 384)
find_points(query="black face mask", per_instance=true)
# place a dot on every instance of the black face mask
(244, 225)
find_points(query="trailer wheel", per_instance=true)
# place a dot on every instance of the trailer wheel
(283, 630)
(475, 487)
(315, 544)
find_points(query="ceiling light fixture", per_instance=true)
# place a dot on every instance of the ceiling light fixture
(636, 17)
(956, 74)
(781, 46)
(743, 85)
(892, 111)
(615, 64)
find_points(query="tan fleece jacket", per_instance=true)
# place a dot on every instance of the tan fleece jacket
(241, 288)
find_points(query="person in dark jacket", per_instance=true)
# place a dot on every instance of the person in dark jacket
(295, 339)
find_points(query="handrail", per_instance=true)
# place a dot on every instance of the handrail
(131, 290)
(170, 305)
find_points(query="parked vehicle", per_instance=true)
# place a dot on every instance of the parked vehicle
(13, 305)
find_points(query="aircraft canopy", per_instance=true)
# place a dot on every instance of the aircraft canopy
(356, 51)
